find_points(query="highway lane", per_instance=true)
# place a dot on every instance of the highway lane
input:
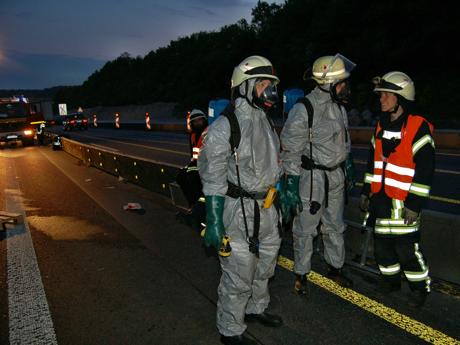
(173, 148)
(115, 277)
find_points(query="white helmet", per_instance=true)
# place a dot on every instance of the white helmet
(331, 69)
(396, 82)
(253, 67)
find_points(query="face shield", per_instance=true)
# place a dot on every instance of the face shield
(341, 88)
(331, 71)
(268, 98)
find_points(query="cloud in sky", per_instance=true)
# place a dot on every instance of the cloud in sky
(77, 36)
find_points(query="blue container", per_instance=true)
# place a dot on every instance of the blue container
(290, 97)
(216, 107)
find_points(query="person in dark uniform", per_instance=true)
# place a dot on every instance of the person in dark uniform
(188, 178)
(397, 182)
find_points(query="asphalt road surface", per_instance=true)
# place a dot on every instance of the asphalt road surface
(82, 270)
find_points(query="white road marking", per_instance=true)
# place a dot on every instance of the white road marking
(139, 145)
(28, 311)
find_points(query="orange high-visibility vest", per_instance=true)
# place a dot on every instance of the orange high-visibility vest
(399, 168)
(196, 145)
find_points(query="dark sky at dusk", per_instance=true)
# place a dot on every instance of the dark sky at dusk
(61, 42)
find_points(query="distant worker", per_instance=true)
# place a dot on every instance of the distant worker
(188, 178)
(397, 183)
(41, 134)
(237, 172)
(198, 124)
(317, 159)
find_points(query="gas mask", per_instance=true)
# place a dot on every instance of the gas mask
(267, 99)
(343, 96)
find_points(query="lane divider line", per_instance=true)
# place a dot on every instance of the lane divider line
(143, 146)
(390, 315)
(29, 315)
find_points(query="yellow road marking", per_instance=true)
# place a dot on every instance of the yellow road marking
(390, 315)
(432, 197)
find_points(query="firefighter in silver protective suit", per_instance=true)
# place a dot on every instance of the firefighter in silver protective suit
(235, 185)
(316, 159)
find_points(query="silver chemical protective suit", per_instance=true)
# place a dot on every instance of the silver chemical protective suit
(243, 287)
(331, 144)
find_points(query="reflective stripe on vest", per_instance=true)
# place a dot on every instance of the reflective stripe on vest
(196, 145)
(399, 169)
(196, 152)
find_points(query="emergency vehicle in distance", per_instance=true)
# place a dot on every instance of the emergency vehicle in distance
(19, 119)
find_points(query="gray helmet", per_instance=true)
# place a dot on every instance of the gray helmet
(197, 114)
(253, 67)
(396, 82)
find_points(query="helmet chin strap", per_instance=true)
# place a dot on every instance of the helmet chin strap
(395, 109)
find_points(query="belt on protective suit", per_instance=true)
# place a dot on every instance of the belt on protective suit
(308, 164)
(236, 192)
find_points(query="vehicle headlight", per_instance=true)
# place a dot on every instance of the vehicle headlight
(28, 132)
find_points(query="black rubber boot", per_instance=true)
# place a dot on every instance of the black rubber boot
(241, 339)
(339, 277)
(417, 298)
(386, 287)
(265, 319)
(301, 285)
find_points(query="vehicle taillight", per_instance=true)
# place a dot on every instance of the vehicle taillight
(28, 132)
(72, 122)
(85, 120)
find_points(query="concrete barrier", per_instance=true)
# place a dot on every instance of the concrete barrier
(440, 232)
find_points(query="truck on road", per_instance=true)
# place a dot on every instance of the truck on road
(19, 119)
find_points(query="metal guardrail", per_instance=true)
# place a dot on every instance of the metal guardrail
(440, 235)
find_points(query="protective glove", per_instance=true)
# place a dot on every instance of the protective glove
(290, 198)
(350, 172)
(364, 203)
(409, 216)
(214, 221)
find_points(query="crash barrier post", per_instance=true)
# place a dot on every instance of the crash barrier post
(147, 122)
(440, 232)
(117, 120)
(94, 120)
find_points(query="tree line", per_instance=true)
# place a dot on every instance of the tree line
(416, 37)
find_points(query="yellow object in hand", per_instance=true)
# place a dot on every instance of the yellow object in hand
(270, 197)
